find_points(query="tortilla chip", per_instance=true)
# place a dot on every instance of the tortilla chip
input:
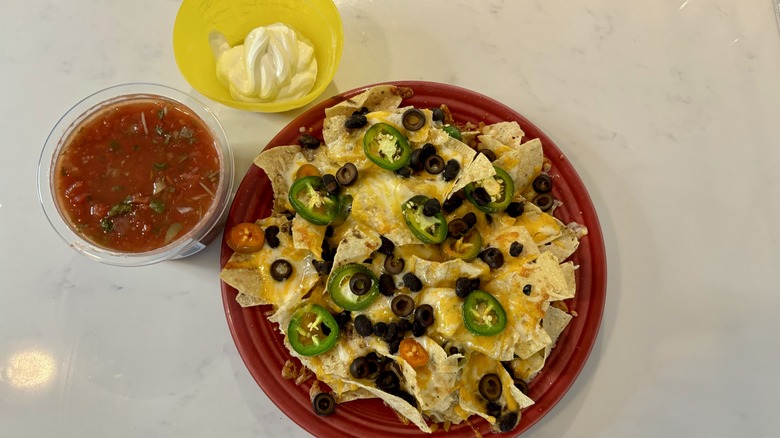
(554, 322)
(507, 133)
(523, 164)
(543, 227)
(308, 236)
(444, 274)
(491, 144)
(479, 169)
(357, 245)
(379, 98)
(564, 245)
(276, 164)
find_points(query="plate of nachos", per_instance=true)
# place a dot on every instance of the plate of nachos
(411, 258)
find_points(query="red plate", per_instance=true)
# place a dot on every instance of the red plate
(261, 345)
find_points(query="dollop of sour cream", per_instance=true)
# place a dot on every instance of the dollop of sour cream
(275, 63)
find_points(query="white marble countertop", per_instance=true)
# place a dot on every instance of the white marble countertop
(668, 109)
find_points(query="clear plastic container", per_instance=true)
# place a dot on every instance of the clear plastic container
(185, 245)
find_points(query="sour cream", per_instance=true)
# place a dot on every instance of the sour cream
(275, 63)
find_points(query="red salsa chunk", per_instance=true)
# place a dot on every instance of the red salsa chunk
(138, 174)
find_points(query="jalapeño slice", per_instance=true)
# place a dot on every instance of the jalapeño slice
(340, 287)
(309, 199)
(466, 248)
(429, 229)
(499, 199)
(386, 146)
(312, 330)
(483, 315)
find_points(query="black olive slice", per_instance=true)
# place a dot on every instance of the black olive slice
(360, 369)
(330, 184)
(489, 154)
(527, 289)
(457, 228)
(324, 404)
(434, 165)
(391, 333)
(393, 346)
(380, 329)
(463, 287)
(363, 325)
(418, 329)
(481, 196)
(343, 318)
(521, 385)
(431, 207)
(437, 115)
(388, 381)
(515, 249)
(493, 409)
(271, 236)
(426, 151)
(451, 170)
(404, 325)
(452, 203)
(346, 175)
(308, 141)
(356, 121)
(394, 265)
(424, 315)
(542, 183)
(490, 387)
(405, 396)
(281, 270)
(514, 209)
(414, 160)
(386, 285)
(413, 119)
(387, 247)
(322, 267)
(470, 218)
(507, 421)
(402, 305)
(412, 282)
(360, 283)
(492, 257)
(404, 172)
(373, 365)
(544, 201)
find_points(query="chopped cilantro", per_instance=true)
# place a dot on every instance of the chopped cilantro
(113, 146)
(157, 205)
(107, 224)
(121, 208)
(159, 166)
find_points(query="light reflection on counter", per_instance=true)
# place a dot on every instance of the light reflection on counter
(29, 369)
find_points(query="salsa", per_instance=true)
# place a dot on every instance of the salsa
(137, 174)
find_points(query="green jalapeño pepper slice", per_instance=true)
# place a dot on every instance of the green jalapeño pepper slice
(466, 248)
(483, 315)
(453, 132)
(386, 146)
(495, 196)
(342, 287)
(309, 199)
(429, 229)
(312, 330)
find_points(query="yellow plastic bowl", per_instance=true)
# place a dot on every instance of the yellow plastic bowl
(317, 20)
